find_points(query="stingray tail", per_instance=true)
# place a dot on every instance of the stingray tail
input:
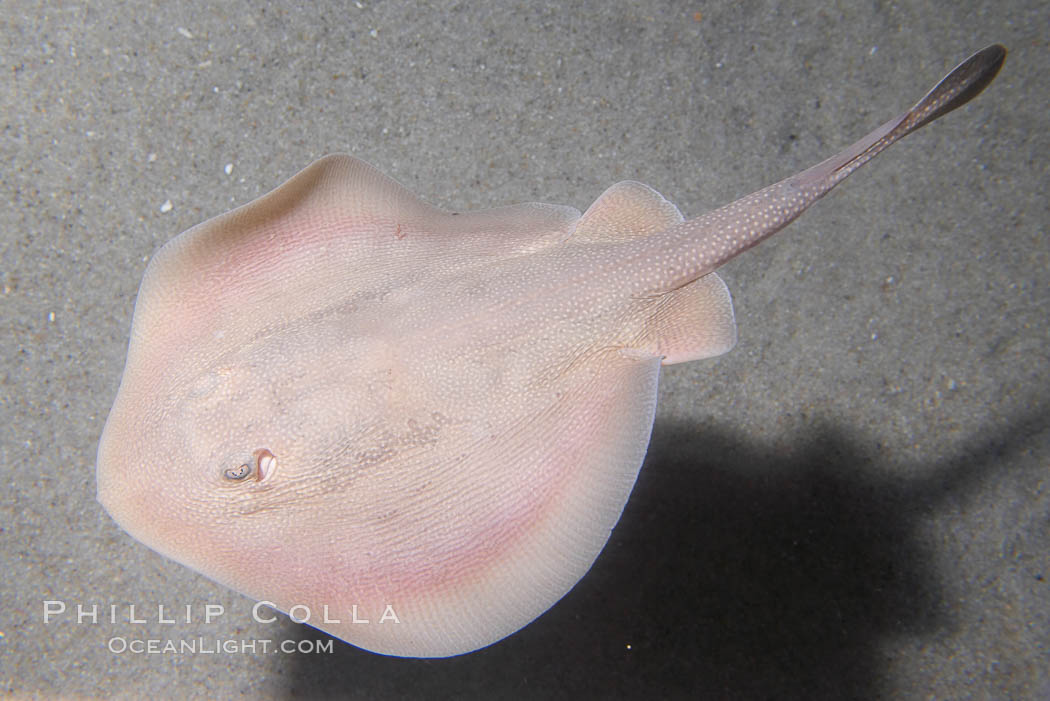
(700, 245)
(962, 84)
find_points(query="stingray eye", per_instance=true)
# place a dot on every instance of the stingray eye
(266, 461)
(239, 472)
(260, 464)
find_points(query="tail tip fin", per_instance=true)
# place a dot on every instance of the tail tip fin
(962, 84)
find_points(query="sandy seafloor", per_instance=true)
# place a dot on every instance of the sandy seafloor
(854, 503)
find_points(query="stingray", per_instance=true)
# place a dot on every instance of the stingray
(415, 429)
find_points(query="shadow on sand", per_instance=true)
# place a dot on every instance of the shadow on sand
(735, 572)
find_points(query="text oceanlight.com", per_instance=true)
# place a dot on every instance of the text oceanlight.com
(216, 646)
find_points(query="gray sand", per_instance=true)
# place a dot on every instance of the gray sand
(854, 503)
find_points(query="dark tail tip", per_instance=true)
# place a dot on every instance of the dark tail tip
(962, 84)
